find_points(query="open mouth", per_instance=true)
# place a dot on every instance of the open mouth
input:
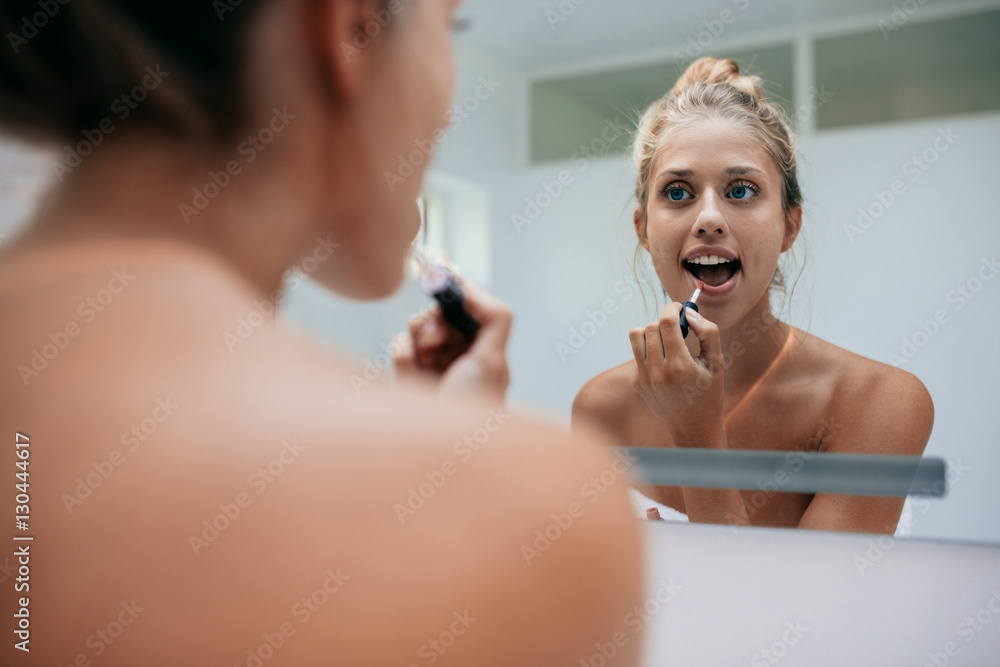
(713, 275)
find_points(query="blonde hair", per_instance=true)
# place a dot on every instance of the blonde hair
(714, 89)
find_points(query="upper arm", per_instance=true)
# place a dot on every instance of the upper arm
(517, 538)
(459, 538)
(893, 415)
(601, 402)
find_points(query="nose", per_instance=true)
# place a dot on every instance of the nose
(710, 220)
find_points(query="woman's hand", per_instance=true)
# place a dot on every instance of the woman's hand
(434, 351)
(684, 391)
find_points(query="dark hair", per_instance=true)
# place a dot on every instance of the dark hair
(65, 62)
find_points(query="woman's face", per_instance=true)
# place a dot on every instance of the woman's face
(396, 120)
(714, 192)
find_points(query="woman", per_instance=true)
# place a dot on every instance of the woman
(719, 202)
(207, 488)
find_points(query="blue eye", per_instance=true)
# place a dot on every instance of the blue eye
(743, 191)
(676, 193)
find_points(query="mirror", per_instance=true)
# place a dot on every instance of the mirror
(897, 132)
(898, 124)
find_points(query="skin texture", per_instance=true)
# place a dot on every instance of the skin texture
(745, 380)
(271, 426)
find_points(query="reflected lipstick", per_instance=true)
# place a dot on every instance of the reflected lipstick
(690, 303)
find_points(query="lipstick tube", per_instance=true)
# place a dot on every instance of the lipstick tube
(441, 284)
(690, 303)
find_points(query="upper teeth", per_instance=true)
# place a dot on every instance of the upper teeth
(709, 259)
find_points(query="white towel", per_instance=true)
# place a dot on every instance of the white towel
(642, 503)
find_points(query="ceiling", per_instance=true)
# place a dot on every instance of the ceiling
(537, 35)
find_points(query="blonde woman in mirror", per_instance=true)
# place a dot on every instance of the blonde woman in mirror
(718, 201)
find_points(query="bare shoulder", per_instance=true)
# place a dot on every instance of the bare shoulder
(606, 399)
(398, 493)
(234, 484)
(889, 404)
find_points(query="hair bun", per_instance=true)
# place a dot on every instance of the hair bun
(713, 70)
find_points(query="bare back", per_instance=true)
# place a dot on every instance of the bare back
(196, 501)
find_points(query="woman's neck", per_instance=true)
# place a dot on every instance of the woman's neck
(751, 347)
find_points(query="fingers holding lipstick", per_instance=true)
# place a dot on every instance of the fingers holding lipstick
(435, 344)
(493, 314)
(659, 341)
(709, 341)
(484, 367)
(456, 362)
(679, 388)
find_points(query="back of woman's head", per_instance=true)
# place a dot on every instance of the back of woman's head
(68, 61)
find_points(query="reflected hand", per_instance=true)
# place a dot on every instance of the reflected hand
(684, 391)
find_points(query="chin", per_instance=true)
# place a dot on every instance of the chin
(368, 284)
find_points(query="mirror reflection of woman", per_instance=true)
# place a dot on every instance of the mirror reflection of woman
(719, 202)
(204, 493)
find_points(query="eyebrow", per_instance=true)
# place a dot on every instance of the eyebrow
(731, 171)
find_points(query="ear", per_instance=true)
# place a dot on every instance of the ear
(793, 223)
(639, 220)
(341, 41)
